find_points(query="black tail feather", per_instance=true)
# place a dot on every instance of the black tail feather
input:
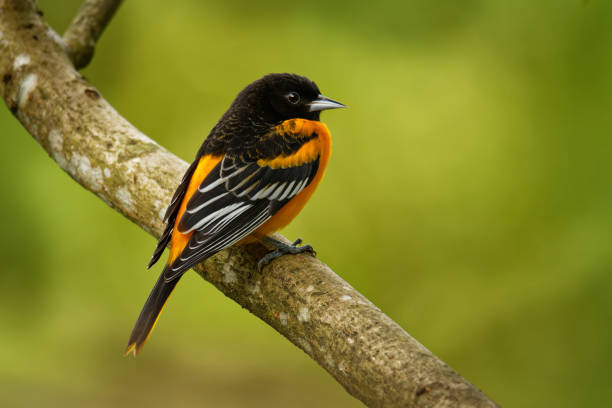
(150, 313)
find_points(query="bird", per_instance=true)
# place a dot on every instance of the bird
(253, 174)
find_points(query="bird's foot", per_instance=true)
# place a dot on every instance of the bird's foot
(283, 249)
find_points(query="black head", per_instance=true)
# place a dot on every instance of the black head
(262, 105)
(278, 97)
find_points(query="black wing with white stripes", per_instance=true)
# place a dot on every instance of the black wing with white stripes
(171, 213)
(235, 199)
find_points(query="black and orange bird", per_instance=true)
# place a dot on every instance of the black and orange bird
(253, 174)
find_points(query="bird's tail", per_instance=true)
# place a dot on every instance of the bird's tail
(150, 313)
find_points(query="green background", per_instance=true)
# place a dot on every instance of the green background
(469, 196)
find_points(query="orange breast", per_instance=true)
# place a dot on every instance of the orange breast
(321, 146)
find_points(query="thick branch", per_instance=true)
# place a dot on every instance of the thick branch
(364, 350)
(86, 28)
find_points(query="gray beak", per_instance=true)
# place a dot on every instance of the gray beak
(324, 103)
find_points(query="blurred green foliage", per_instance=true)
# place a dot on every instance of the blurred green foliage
(469, 196)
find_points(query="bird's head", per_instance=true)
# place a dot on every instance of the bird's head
(263, 105)
(278, 97)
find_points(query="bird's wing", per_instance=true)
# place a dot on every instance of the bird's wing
(234, 199)
(171, 213)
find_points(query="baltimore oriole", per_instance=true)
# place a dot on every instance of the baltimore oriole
(253, 174)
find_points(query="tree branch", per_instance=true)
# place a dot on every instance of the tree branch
(363, 349)
(86, 27)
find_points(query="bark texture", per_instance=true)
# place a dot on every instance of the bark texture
(86, 28)
(373, 358)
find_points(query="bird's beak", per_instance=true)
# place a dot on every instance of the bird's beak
(324, 103)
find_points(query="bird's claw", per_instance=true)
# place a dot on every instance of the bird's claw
(283, 249)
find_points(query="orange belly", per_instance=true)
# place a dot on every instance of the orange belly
(321, 145)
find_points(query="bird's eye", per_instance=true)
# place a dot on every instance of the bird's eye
(293, 97)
